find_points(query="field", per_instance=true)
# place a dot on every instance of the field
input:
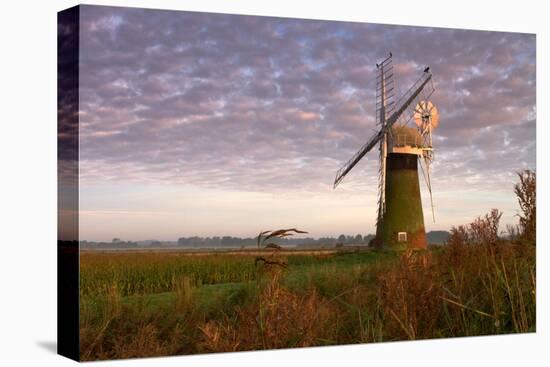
(166, 303)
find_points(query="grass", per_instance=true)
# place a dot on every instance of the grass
(102, 273)
(159, 304)
(154, 272)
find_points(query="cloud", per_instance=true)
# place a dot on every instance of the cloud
(276, 105)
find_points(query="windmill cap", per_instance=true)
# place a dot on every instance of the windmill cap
(404, 135)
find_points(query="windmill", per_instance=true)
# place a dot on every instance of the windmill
(400, 220)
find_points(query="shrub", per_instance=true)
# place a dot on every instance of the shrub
(526, 192)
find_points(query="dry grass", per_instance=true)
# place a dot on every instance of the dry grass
(409, 297)
(459, 290)
(280, 319)
(526, 193)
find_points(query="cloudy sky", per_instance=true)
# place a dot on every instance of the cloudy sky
(209, 124)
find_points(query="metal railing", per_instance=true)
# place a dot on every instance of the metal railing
(401, 140)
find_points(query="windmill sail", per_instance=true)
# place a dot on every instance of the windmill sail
(342, 172)
(385, 104)
(405, 110)
(401, 110)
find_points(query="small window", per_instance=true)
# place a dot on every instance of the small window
(401, 236)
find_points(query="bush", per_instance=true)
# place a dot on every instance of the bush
(526, 192)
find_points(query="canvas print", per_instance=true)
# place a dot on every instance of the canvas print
(236, 183)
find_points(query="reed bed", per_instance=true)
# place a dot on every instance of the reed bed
(458, 290)
(146, 273)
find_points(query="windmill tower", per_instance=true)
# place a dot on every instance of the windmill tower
(400, 220)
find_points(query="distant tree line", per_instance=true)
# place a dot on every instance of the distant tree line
(109, 245)
(229, 241)
(434, 237)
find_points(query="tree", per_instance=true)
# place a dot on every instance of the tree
(358, 239)
(484, 230)
(526, 192)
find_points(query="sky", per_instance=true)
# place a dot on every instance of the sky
(211, 124)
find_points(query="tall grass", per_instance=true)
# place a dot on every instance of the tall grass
(144, 273)
(460, 290)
